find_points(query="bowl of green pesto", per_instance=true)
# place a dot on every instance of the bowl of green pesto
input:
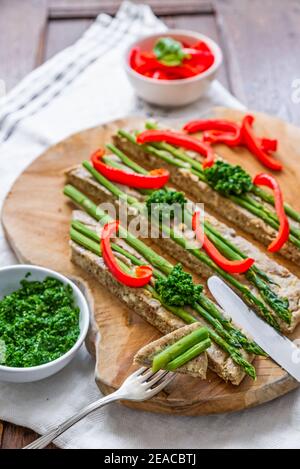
(44, 319)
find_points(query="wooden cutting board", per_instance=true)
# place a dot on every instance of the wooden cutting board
(36, 218)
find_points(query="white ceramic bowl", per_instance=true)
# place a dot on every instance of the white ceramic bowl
(173, 93)
(10, 281)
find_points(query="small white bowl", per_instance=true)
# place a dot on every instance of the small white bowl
(10, 281)
(173, 93)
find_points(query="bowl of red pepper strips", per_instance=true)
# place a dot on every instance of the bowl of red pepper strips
(173, 68)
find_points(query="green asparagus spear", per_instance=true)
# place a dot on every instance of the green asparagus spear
(234, 354)
(127, 161)
(151, 256)
(172, 351)
(278, 304)
(270, 199)
(188, 355)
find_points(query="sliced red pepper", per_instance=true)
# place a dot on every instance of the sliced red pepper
(175, 72)
(143, 273)
(201, 45)
(253, 144)
(211, 124)
(202, 59)
(220, 131)
(197, 60)
(217, 136)
(159, 75)
(136, 58)
(233, 267)
(268, 144)
(181, 140)
(284, 228)
(133, 57)
(155, 179)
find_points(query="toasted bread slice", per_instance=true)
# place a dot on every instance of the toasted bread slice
(140, 301)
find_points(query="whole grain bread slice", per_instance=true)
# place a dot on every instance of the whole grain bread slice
(141, 302)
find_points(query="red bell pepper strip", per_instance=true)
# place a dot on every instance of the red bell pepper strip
(159, 75)
(284, 228)
(196, 60)
(220, 131)
(224, 131)
(233, 267)
(217, 136)
(201, 45)
(181, 140)
(133, 57)
(268, 144)
(143, 273)
(253, 144)
(155, 179)
(211, 124)
(174, 73)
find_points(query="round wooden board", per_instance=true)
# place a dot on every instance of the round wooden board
(36, 218)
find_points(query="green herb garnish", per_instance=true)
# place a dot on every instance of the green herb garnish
(169, 52)
(178, 288)
(228, 179)
(38, 323)
(165, 202)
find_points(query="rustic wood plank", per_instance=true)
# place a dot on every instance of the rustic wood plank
(22, 27)
(1, 433)
(205, 24)
(59, 9)
(17, 437)
(62, 34)
(261, 40)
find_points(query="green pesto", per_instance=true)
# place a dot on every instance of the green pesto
(39, 322)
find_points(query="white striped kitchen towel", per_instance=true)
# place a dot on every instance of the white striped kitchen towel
(51, 79)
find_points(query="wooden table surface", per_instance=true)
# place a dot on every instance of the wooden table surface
(259, 41)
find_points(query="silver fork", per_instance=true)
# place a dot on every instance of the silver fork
(140, 386)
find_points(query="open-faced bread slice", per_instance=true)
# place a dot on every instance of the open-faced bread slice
(140, 301)
(196, 367)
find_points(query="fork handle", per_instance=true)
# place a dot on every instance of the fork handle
(44, 440)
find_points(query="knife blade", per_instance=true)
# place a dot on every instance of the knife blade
(282, 350)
